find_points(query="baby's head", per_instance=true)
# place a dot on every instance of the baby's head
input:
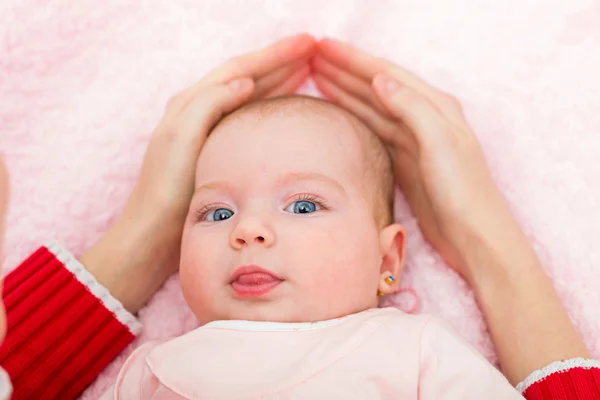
(292, 216)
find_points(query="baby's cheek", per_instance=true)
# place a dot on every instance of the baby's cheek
(358, 259)
(199, 273)
(349, 259)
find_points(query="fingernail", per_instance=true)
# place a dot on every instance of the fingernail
(239, 85)
(387, 84)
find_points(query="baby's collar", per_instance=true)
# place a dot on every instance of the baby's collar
(269, 326)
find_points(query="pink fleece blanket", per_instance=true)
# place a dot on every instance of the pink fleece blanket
(83, 84)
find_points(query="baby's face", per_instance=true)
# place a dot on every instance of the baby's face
(280, 227)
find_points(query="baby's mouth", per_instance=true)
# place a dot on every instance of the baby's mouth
(256, 279)
(253, 281)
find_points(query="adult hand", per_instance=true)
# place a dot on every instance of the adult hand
(142, 248)
(166, 181)
(441, 169)
(439, 164)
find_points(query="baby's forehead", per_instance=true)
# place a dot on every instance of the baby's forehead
(299, 117)
(292, 109)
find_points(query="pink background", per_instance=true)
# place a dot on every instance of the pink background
(83, 83)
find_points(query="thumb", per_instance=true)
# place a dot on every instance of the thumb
(411, 107)
(210, 104)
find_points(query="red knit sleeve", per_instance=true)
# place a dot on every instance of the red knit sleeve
(63, 327)
(575, 379)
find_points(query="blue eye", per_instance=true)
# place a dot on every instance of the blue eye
(220, 214)
(302, 207)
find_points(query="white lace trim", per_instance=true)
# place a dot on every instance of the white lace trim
(557, 366)
(5, 385)
(87, 279)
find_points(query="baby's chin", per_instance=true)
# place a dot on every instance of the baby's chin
(269, 312)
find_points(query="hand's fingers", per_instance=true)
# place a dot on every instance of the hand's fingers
(196, 120)
(408, 105)
(290, 85)
(366, 66)
(385, 128)
(253, 65)
(264, 61)
(350, 83)
(276, 78)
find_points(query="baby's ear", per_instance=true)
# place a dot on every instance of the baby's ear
(392, 243)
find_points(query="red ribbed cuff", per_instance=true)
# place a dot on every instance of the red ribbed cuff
(574, 379)
(63, 327)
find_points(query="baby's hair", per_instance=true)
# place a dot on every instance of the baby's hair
(378, 176)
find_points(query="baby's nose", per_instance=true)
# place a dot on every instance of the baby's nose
(252, 231)
(257, 240)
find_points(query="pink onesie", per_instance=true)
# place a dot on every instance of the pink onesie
(376, 354)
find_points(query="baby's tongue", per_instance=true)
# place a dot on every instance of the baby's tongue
(255, 278)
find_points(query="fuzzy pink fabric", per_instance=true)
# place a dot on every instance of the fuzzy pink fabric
(83, 83)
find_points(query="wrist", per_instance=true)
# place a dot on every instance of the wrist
(133, 259)
(496, 251)
(519, 302)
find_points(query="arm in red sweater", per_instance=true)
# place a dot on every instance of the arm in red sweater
(63, 327)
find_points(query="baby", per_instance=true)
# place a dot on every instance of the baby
(289, 243)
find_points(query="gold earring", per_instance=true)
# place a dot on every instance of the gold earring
(389, 280)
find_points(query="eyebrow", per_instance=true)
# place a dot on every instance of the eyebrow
(214, 185)
(312, 176)
(287, 179)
